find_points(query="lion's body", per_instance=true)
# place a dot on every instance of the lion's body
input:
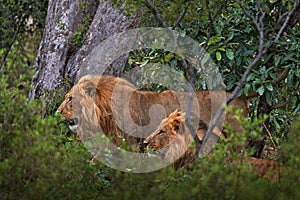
(118, 109)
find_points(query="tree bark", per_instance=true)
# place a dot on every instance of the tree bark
(59, 57)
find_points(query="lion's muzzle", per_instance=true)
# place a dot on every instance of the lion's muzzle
(74, 124)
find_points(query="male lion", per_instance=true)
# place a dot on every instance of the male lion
(116, 108)
(172, 139)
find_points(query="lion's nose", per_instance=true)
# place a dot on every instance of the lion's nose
(145, 143)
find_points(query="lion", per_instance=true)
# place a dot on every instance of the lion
(113, 106)
(172, 139)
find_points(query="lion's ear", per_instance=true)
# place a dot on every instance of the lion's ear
(176, 119)
(177, 123)
(90, 89)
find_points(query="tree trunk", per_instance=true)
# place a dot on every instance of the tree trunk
(73, 29)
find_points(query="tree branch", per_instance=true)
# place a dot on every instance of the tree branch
(180, 18)
(210, 22)
(8, 50)
(190, 71)
(212, 19)
(295, 92)
(220, 10)
(284, 26)
(281, 76)
(156, 15)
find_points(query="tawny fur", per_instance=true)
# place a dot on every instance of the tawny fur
(173, 139)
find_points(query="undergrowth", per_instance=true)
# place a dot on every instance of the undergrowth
(41, 159)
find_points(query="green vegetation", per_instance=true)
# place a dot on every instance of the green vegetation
(41, 159)
(80, 34)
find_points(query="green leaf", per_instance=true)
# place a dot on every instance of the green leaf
(218, 55)
(229, 54)
(261, 90)
(269, 86)
(269, 98)
(277, 60)
(262, 69)
(247, 89)
(250, 77)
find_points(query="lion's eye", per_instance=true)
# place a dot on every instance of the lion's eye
(70, 99)
(161, 132)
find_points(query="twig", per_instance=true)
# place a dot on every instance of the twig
(270, 136)
(284, 24)
(295, 92)
(180, 18)
(156, 15)
(220, 10)
(16, 33)
(210, 29)
(281, 76)
(212, 19)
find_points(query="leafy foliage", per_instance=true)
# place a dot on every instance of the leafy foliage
(22, 23)
(41, 159)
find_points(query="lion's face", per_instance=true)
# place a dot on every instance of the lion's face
(66, 109)
(76, 104)
(167, 131)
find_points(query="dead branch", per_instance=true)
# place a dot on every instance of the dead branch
(270, 135)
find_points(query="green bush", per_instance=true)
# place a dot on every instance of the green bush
(39, 160)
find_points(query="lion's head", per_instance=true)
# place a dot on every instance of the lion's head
(172, 139)
(79, 105)
(87, 108)
(167, 131)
